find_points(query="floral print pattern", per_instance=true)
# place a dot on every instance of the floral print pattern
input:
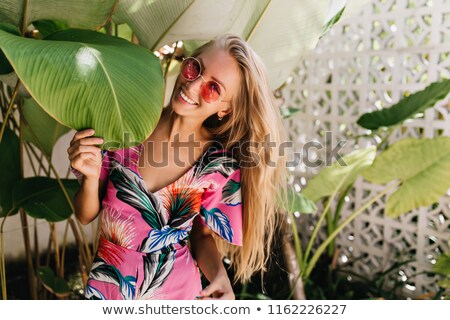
(143, 252)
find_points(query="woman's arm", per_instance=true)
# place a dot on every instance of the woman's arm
(86, 163)
(87, 199)
(208, 259)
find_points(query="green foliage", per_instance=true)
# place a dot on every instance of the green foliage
(9, 170)
(77, 14)
(422, 165)
(406, 108)
(41, 129)
(56, 285)
(296, 201)
(339, 175)
(84, 82)
(43, 198)
(47, 27)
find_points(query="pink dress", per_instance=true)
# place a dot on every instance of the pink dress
(143, 251)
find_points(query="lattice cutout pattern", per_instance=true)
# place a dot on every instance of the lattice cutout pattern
(368, 62)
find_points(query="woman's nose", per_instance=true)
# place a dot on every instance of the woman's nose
(195, 85)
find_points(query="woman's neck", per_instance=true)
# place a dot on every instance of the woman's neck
(179, 128)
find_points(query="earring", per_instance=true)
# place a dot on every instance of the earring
(220, 118)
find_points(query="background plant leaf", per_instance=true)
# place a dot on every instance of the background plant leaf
(329, 178)
(43, 198)
(296, 201)
(442, 265)
(407, 107)
(423, 167)
(9, 169)
(47, 27)
(85, 14)
(45, 128)
(291, 27)
(55, 285)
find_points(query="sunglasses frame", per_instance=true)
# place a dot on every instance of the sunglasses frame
(203, 79)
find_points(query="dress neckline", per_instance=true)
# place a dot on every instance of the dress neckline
(140, 148)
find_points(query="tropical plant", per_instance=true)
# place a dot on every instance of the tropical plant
(415, 172)
(62, 68)
(442, 267)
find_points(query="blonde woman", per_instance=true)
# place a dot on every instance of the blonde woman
(199, 188)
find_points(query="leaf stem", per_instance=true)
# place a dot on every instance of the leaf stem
(9, 110)
(321, 218)
(349, 219)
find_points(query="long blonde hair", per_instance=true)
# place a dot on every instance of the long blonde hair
(253, 120)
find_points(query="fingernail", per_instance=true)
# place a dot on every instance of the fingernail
(92, 131)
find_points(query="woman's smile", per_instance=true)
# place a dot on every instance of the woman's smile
(185, 98)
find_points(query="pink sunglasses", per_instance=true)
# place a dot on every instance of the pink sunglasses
(191, 70)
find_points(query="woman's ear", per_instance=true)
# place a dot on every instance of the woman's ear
(222, 113)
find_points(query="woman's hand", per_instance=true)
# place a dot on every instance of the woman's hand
(220, 289)
(84, 155)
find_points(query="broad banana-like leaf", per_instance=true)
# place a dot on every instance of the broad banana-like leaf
(423, 167)
(407, 107)
(279, 31)
(46, 129)
(43, 198)
(329, 178)
(9, 169)
(86, 14)
(56, 285)
(85, 79)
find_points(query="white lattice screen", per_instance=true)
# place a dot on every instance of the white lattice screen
(367, 62)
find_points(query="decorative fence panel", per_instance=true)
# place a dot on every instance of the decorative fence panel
(370, 61)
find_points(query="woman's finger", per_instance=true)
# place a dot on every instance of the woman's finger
(85, 142)
(83, 149)
(208, 290)
(82, 134)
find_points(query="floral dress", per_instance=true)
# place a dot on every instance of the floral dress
(143, 251)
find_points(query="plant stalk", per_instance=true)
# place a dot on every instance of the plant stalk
(9, 110)
(319, 222)
(322, 247)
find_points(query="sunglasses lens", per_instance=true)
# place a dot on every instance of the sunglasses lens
(190, 69)
(210, 91)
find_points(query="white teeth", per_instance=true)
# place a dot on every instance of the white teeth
(186, 98)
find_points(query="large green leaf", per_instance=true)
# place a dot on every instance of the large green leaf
(46, 129)
(407, 107)
(338, 175)
(54, 284)
(423, 167)
(85, 14)
(279, 31)
(85, 79)
(299, 202)
(43, 198)
(9, 169)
